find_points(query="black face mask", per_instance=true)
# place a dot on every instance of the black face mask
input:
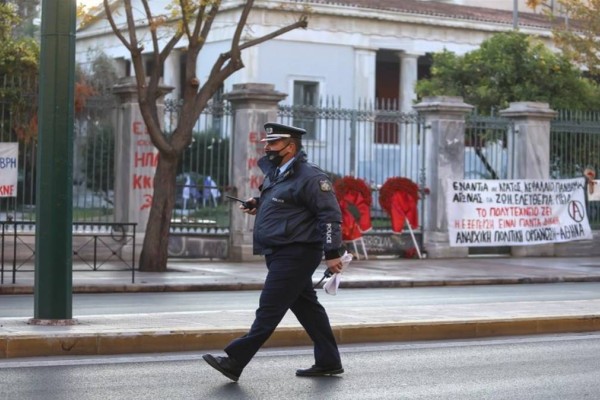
(274, 157)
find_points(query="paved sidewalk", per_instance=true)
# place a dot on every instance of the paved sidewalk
(193, 331)
(199, 275)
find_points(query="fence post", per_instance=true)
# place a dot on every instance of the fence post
(253, 105)
(135, 159)
(444, 159)
(532, 154)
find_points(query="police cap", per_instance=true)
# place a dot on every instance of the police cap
(279, 131)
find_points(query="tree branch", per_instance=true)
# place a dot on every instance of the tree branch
(184, 17)
(200, 19)
(155, 49)
(206, 27)
(114, 27)
(301, 23)
(235, 42)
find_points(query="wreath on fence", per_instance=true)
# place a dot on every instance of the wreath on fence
(349, 183)
(398, 197)
(354, 197)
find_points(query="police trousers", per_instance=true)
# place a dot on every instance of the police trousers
(288, 286)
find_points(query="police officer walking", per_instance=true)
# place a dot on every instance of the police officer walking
(297, 221)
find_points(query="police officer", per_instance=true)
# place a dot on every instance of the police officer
(297, 221)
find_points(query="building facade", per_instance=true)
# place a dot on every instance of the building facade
(353, 50)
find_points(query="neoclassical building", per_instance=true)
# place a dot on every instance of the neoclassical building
(352, 50)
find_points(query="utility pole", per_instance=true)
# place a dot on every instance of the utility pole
(515, 14)
(54, 188)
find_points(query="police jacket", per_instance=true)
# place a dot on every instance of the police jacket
(297, 207)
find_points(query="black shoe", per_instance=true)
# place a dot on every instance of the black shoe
(315, 370)
(224, 365)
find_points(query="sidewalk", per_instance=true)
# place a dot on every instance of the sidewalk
(194, 331)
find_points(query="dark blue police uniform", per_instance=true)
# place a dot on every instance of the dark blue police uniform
(298, 219)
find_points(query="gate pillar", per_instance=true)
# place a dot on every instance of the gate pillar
(531, 154)
(444, 159)
(253, 105)
(135, 160)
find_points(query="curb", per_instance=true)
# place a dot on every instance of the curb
(110, 343)
(358, 284)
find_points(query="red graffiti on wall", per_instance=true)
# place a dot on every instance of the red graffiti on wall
(145, 159)
(256, 137)
(142, 182)
(256, 147)
(147, 202)
(139, 128)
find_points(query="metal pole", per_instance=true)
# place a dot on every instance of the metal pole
(54, 194)
(515, 14)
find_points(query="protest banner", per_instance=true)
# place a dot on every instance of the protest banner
(9, 153)
(516, 212)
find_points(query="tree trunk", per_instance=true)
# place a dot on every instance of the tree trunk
(156, 242)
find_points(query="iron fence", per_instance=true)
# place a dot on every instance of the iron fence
(373, 142)
(97, 245)
(574, 147)
(489, 147)
(93, 158)
(203, 172)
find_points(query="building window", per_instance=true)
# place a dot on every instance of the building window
(387, 92)
(306, 100)
(150, 66)
(127, 68)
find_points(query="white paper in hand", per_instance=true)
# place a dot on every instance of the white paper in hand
(331, 286)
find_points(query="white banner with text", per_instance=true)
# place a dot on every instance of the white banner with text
(516, 212)
(9, 153)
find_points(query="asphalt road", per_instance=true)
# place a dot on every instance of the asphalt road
(542, 367)
(21, 306)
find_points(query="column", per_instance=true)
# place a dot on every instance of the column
(409, 69)
(254, 104)
(172, 73)
(364, 93)
(135, 159)
(364, 77)
(531, 152)
(444, 159)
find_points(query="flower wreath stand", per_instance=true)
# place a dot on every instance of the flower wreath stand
(399, 197)
(354, 197)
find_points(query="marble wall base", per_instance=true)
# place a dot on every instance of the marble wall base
(580, 248)
(437, 246)
(538, 250)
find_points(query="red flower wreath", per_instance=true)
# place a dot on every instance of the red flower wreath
(349, 183)
(354, 196)
(398, 197)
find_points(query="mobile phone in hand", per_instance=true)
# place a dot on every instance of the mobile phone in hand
(244, 203)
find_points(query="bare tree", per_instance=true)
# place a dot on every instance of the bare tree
(195, 20)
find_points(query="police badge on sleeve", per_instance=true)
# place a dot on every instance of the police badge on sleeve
(325, 185)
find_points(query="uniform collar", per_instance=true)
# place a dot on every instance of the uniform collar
(284, 167)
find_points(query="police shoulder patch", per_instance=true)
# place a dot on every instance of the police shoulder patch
(325, 185)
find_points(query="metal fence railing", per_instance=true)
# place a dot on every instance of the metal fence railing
(575, 146)
(18, 124)
(489, 144)
(203, 173)
(372, 142)
(93, 158)
(96, 245)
